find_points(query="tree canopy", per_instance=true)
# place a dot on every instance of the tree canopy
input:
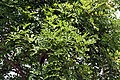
(59, 40)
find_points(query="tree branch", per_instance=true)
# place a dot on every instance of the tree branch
(16, 66)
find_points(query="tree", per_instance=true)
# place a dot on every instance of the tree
(59, 39)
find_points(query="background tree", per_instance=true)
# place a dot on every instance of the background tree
(59, 39)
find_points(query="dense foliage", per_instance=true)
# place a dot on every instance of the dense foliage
(59, 40)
